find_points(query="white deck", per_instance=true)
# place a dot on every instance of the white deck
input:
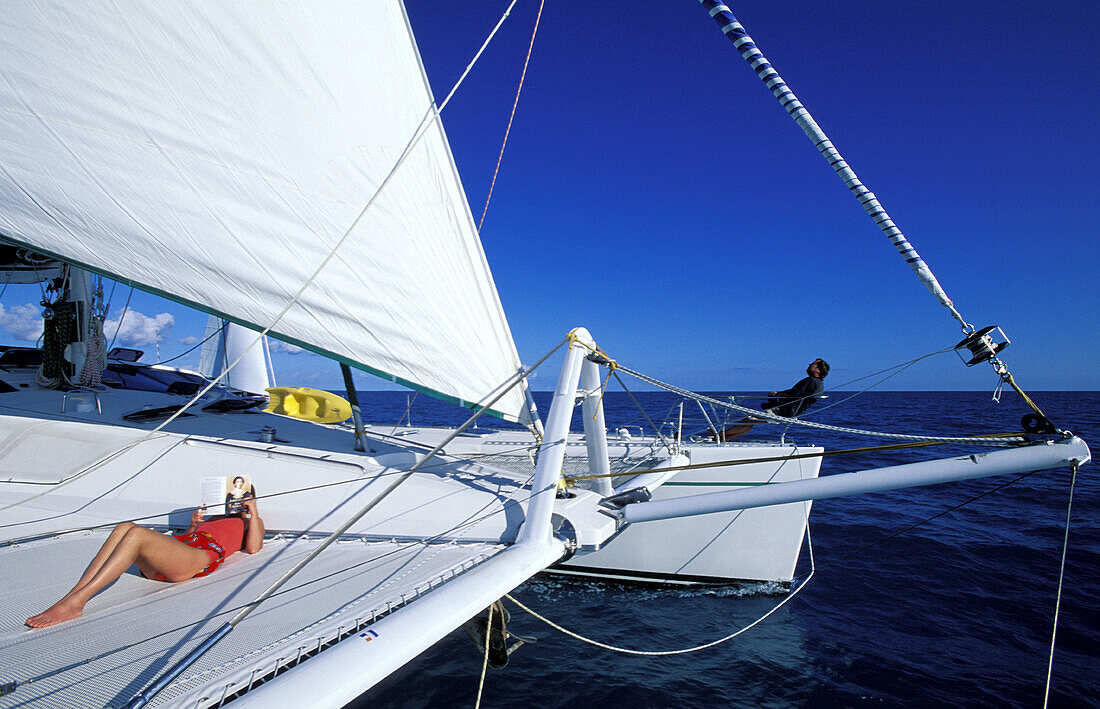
(351, 584)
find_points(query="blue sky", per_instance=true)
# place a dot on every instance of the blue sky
(654, 191)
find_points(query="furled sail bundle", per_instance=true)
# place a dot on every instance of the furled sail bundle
(217, 153)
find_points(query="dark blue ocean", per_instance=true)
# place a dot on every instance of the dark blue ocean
(955, 612)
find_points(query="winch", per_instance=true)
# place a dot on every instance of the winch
(982, 345)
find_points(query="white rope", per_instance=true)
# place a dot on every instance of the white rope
(684, 651)
(1061, 576)
(484, 660)
(125, 310)
(95, 357)
(772, 418)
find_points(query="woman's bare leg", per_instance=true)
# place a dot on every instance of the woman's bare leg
(151, 551)
(101, 556)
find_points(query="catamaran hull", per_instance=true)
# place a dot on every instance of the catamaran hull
(753, 545)
(743, 546)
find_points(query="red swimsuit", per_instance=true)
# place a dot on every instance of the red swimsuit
(219, 538)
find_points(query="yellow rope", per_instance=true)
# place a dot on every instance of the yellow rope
(603, 390)
(611, 365)
(595, 349)
(511, 117)
(1012, 382)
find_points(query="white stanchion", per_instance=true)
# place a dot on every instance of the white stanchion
(595, 428)
(552, 451)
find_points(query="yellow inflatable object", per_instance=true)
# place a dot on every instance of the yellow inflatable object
(308, 404)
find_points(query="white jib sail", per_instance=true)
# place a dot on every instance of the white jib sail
(217, 152)
(228, 342)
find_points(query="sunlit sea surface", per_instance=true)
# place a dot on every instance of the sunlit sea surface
(955, 612)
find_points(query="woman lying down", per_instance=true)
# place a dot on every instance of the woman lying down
(196, 552)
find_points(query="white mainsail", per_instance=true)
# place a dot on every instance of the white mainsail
(216, 153)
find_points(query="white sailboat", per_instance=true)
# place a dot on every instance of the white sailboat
(287, 171)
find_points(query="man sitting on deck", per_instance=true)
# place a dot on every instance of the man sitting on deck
(801, 396)
(789, 403)
(196, 552)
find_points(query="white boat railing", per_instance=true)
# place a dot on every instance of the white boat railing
(595, 428)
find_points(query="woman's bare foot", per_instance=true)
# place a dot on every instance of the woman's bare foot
(65, 609)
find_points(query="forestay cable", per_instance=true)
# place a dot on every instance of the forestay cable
(749, 51)
(790, 103)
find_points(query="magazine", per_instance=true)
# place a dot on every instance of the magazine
(225, 495)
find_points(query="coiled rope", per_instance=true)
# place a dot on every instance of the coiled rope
(95, 358)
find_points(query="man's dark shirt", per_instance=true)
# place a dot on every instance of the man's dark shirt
(797, 399)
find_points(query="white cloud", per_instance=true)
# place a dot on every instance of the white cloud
(138, 329)
(280, 346)
(190, 340)
(23, 322)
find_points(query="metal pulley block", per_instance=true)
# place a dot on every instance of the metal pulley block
(1037, 423)
(598, 359)
(982, 345)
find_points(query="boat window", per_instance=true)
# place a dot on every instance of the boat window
(158, 414)
(124, 354)
(21, 357)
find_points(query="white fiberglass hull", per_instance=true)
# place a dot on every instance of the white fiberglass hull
(747, 545)
(751, 545)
